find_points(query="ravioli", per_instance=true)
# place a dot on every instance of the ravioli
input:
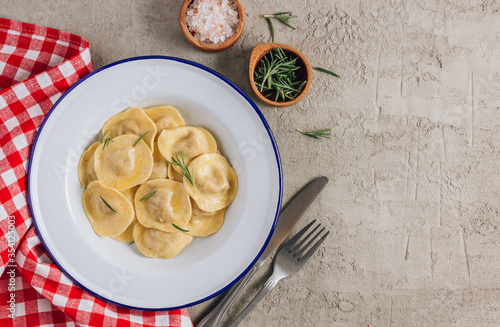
(108, 210)
(189, 141)
(160, 165)
(132, 121)
(160, 203)
(132, 193)
(122, 164)
(215, 180)
(155, 243)
(86, 171)
(204, 223)
(127, 236)
(164, 117)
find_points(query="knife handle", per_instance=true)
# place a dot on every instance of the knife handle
(214, 317)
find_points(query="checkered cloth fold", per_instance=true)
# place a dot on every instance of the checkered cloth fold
(37, 65)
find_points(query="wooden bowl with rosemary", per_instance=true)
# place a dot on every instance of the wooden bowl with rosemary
(280, 75)
(212, 47)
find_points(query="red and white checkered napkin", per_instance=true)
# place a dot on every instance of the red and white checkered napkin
(37, 65)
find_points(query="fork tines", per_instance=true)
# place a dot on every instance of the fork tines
(298, 249)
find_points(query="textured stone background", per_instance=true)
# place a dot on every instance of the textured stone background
(413, 202)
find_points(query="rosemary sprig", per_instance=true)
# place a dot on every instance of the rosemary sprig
(107, 204)
(104, 135)
(130, 243)
(185, 171)
(275, 75)
(106, 142)
(181, 229)
(326, 71)
(140, 138)
(283, 17)
(324, 133)
(148, 195)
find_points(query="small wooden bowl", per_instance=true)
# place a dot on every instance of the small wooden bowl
(303, 73)
(212, 47)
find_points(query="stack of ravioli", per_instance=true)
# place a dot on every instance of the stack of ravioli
(134, 193)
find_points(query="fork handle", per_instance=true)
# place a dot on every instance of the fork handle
(214, 317)
(269, 285)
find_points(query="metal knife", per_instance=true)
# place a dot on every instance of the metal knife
(288, 218)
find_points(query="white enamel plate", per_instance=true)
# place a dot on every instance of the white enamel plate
(116, 271)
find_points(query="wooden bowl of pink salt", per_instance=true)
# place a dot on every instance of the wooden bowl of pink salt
(212, 25)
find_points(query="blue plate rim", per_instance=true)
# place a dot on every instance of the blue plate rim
(237, 89)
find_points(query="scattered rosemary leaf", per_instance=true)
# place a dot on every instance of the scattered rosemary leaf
(106, 142)
(148, 195)
(185, 171)
(104, 135)
(107, 204)
(181, 229)
(326, 71)
(324, 133)
(130, 243)
(283, 17)
(140, 137)
(271, 27)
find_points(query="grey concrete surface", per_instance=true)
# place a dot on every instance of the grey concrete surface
(413, 202)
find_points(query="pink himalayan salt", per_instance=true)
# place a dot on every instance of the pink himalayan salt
(212, 21)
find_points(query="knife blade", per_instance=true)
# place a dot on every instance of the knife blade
(287, 220)
(291, 214)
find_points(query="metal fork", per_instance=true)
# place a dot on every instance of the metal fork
(287, 262)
